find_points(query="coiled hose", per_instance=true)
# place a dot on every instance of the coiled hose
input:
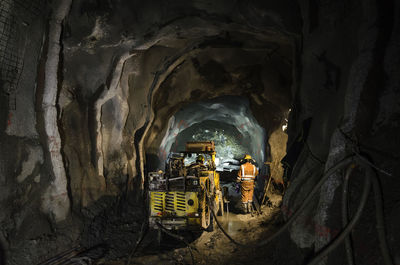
(350, 225)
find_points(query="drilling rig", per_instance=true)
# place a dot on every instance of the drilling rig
(180, 197)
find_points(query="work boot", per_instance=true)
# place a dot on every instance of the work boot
(245, 209)
(251, 209)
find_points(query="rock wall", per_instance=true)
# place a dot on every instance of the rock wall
(133, 79)
(27, 222)
(98, 83)
(110, 74)
(344, 81)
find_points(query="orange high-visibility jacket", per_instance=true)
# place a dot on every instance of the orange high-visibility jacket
(247, 172)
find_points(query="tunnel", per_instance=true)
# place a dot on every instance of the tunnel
(228, 122)
(104, 104)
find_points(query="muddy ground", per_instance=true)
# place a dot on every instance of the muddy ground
(214, 247)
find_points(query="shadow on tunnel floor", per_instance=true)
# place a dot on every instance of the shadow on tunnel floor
(2, 255)
(151, 245)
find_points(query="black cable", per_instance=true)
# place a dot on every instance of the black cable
(345, 214)
(345, 232)
(309, 197)
(380, 222)
(62, 255)
(348, 228)
(373, 165)
(143, 232)
(356, 147)
(160, 226)
(223, 230)
(322, 162)
(379, 217)
(331, 246)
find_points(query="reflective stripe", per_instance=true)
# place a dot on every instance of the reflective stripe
(248, 177)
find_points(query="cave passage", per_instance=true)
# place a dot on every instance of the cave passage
(226, 121)
(98, 99)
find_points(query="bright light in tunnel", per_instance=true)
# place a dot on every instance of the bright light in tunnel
(227, 121)
(228, 145)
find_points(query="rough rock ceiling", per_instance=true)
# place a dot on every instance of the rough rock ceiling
(232, 111)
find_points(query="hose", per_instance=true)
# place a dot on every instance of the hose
(306, 202)
(345, 214)
(379, 213)
(61, 256)
(143, 232)
(220, 227)
(370, 176)
(379, 217)
(177, 237)
(350, 225)
(309, 197)
(366, 161)
(380, 223)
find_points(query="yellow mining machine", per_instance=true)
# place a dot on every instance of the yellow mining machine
(179, 198)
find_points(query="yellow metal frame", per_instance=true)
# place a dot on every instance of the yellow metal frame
(174, 204)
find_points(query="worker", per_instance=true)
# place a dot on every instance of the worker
(198, 165)
(199, 160)
(246, 177)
